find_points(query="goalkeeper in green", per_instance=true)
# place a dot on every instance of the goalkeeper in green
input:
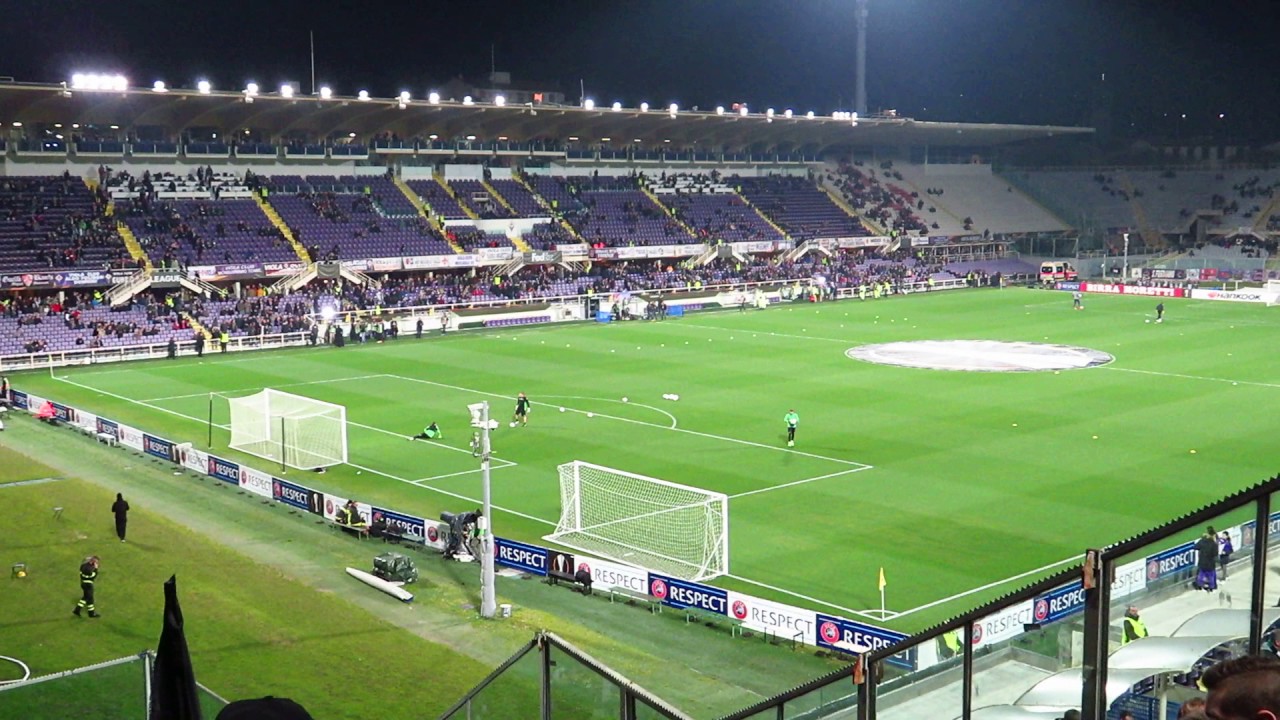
(792, 420)
(430, 432)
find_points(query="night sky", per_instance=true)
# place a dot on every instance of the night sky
(1014, 61)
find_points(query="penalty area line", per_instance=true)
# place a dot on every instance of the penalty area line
(459, 496)
(645, 423)
(800, 482)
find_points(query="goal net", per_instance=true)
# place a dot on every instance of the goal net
(643, 521)
(290, 429)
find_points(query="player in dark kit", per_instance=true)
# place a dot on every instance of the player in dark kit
(522, 410)
(88, 574)
(1160, 312)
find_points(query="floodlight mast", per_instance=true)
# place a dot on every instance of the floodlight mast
(488, 600)
(860, 69)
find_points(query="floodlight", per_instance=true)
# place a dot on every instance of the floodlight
(787, 113)
(251, 89)
(466, 100)
(644, 107)
(589, 104)
(363, 96)
(326, 92)
(120, 82)
(433, 136)
(159, 86)
(433, 98)
(404, 96)
(854, 114)
(470, 138)
(617, 107)
(637, 141)
(742, 110)
(327, 313)
(573, 138)
(204, 87)
(719, 109)
(500, 100)
(115, 127)
(605, 139)
(78, 81)
(351, 135)
(17, 124)
(286, 90)
(673, 109)
(809, 115)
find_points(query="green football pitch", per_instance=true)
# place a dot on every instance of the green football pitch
(960, 485)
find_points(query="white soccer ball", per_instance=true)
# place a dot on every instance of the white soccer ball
(513, 424)
(1148, 320)
(561, 409)
(625, 400)
(591, 414)
(675, 397)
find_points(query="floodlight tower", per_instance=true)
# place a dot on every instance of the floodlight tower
(860, 49)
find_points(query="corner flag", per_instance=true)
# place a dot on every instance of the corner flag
(882, 582)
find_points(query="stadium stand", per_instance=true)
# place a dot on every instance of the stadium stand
(987, 199)
(349, 226)
(798, 207)
(712, 209)
(881, 199)
(442, 204)
(525, 203)
(547, 236)
(51, 222)
(33, 325)
(194, 232)
(476, 196)
(1171, 199)
(557, 193)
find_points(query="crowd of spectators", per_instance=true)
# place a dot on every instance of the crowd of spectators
(884, 203)
(56, 222)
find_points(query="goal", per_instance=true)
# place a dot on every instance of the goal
(643, 521)
(1271, 290)
(292, 430)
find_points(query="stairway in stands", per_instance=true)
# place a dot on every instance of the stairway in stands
(280, 224)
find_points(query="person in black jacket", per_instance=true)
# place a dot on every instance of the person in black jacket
(121, 510)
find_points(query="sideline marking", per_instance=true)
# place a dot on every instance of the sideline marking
(224, 393)
(147, 404)
(988, 586)
(866, 614)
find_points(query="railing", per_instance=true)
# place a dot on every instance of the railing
(132, 285)
(95, 356)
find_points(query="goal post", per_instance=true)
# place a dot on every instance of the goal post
(293, 430)
(655, 524)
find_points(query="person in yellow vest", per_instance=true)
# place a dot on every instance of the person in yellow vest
(224, 339)
(949, 644)
(1133, 627)
(862, 291)
(930, 283)
(875, 290)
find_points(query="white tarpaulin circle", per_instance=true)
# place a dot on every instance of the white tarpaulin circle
(980, 355)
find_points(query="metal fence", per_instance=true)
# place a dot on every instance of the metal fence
(119, 689)
(1061, 642)
(549, 678)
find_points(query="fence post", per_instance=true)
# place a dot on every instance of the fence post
(147, 660)
(1097, 639)
(1258, 601)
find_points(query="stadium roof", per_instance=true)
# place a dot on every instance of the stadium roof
(228, 112)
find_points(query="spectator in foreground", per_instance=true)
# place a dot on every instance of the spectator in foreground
(1244, 688)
